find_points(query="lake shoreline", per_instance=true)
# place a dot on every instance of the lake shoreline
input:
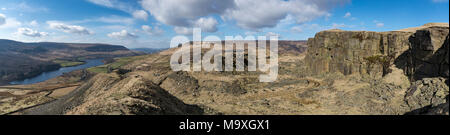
(50, 74)
(69, 63)
(50, 68)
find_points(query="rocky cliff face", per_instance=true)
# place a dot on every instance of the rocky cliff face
(420, 54)
(428, 55)
(428, 96)
(351, 52)
(147, 85)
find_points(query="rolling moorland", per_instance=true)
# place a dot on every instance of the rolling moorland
(149, 50)
(336, 72)
(23, 60)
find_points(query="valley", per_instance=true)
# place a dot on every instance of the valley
(24, 60)
(334, 73)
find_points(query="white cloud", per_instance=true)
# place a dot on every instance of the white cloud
(251, 14)
(250, 33)
(125, 6)
(124, 34)
(297, 29)
(248, 14)
(185, 15)
(115, 4)
(113, 27)
(69, 28)
(2, 19)
(30, 32)
(7, 23)
(152, 31)
(25, 7)
(183, 30)
(4, 9)
(337, 26)
(140, 14)
(34, 23)
(115, 19)
(341, 25)
(185, 12)
(379, 24)
(271, 34)
(106, 3)
(348, 15)
(207, 24)
(313, 26)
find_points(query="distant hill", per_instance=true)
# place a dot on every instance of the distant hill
(22, 60)
(149, 50)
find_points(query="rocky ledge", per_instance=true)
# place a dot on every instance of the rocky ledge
(421, 53)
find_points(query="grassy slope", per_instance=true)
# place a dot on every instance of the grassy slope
(64, 63)
(115, 65)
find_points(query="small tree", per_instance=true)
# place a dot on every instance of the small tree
(384, 61)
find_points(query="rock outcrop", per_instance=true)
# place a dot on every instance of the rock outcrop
(429, 53)
(355, 52)
(422, 53)
(426, 94)
(111, 94)
(133, 95)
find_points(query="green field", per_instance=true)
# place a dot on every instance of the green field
(65, 63)
(116, 64)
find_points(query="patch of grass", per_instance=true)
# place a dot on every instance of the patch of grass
(377, 59)
(98, 69)
(118, 62)
(118, 95)
(65, 63)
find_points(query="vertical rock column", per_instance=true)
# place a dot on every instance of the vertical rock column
(429, 52)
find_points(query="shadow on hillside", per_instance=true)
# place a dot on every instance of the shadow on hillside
(430, 110)
(416, 69)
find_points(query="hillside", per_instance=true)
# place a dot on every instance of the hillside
(23, 60)
(149, 50)
(336, 72)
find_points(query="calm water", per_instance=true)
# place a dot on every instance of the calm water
(53, 74)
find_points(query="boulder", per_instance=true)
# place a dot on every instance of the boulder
(428, 96)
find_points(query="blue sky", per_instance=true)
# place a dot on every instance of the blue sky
(152, 23)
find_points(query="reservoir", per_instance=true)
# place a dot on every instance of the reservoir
(53, 74)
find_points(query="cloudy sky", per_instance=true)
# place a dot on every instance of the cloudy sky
(152, 23)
